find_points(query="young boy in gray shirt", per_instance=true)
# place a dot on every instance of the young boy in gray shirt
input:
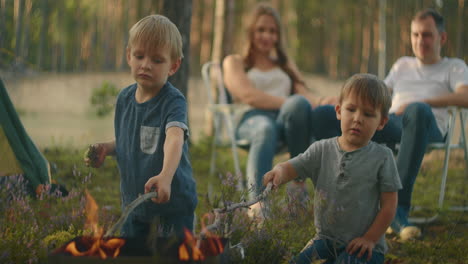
(356, 180)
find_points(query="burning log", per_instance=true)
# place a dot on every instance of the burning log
(95, 246)
(137, 250)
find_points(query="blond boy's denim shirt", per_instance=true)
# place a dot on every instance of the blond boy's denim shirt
(140, 131)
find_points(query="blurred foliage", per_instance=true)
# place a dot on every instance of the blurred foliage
(103, 99)
(336, 37)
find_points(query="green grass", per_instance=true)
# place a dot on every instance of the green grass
(31, 228)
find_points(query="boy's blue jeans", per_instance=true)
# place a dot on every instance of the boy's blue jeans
(325, 249)
(265, 130)
(414, 129)
(167, 226)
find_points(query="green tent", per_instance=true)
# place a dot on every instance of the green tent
(18, 154)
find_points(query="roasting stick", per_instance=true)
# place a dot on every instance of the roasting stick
(217, 211)
(128, 210)
(233, 207)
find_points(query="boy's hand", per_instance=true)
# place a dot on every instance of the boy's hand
(362, 243)
(95, 155)
(275, 176)
(162, 186)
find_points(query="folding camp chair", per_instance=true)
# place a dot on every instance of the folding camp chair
(223, 111)
(448, 146)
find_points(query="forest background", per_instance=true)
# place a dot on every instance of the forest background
(335, 38)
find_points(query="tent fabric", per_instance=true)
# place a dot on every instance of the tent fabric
(32, 162)
(9, 165)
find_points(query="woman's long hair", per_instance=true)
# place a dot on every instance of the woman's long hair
(281, 55)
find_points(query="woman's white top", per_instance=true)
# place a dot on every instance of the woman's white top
(273, 82)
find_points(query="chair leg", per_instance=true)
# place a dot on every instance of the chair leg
(444, 178)
(232, 136)
(463, 139)
(422, 220)
(430, 219)
(213, 157)
(216, 136)
(464, 144)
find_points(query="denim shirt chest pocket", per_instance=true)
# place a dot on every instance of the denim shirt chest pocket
(149, 137)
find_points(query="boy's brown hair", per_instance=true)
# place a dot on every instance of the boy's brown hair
(154, 32)
(369, 89)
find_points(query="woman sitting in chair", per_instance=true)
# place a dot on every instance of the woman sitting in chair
(278, 103)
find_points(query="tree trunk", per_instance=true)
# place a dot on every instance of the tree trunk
(27, 31)
(218, 31)
(207, 27)
(76, 37)
(216, 57)
(366, 39)
(2, 30)
(125, 28)
(180, 13)
(290, 19)
(108, 36)
(43, 35)
(357, 39)
(228, 34)
(19, 35)
(332, 42)
(195, 37)
(382, 38)
(458, 43)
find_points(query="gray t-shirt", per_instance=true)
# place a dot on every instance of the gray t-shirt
(140, 133)
(347, 187)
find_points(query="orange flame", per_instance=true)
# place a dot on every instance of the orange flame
(94, 245)
(190, 244)
(197, 249)
(212, 244)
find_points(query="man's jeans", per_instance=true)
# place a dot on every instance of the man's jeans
(266, 130)
(326, 250)
(413, 130)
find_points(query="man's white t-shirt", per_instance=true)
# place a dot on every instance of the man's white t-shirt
(414, 81)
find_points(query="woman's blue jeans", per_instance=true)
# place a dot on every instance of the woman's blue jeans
(326, 250)
(266, 130)
(414, 129)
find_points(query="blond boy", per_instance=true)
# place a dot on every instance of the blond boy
(151, 132)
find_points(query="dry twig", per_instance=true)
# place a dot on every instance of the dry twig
(218, 211)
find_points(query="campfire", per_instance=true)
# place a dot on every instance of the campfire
(94, 244)
(198, 248)
(99, 248)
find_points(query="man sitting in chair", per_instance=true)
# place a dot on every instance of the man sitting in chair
(423, 86)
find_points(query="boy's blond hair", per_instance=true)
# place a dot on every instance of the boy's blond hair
(369, 89)
(154, 32)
